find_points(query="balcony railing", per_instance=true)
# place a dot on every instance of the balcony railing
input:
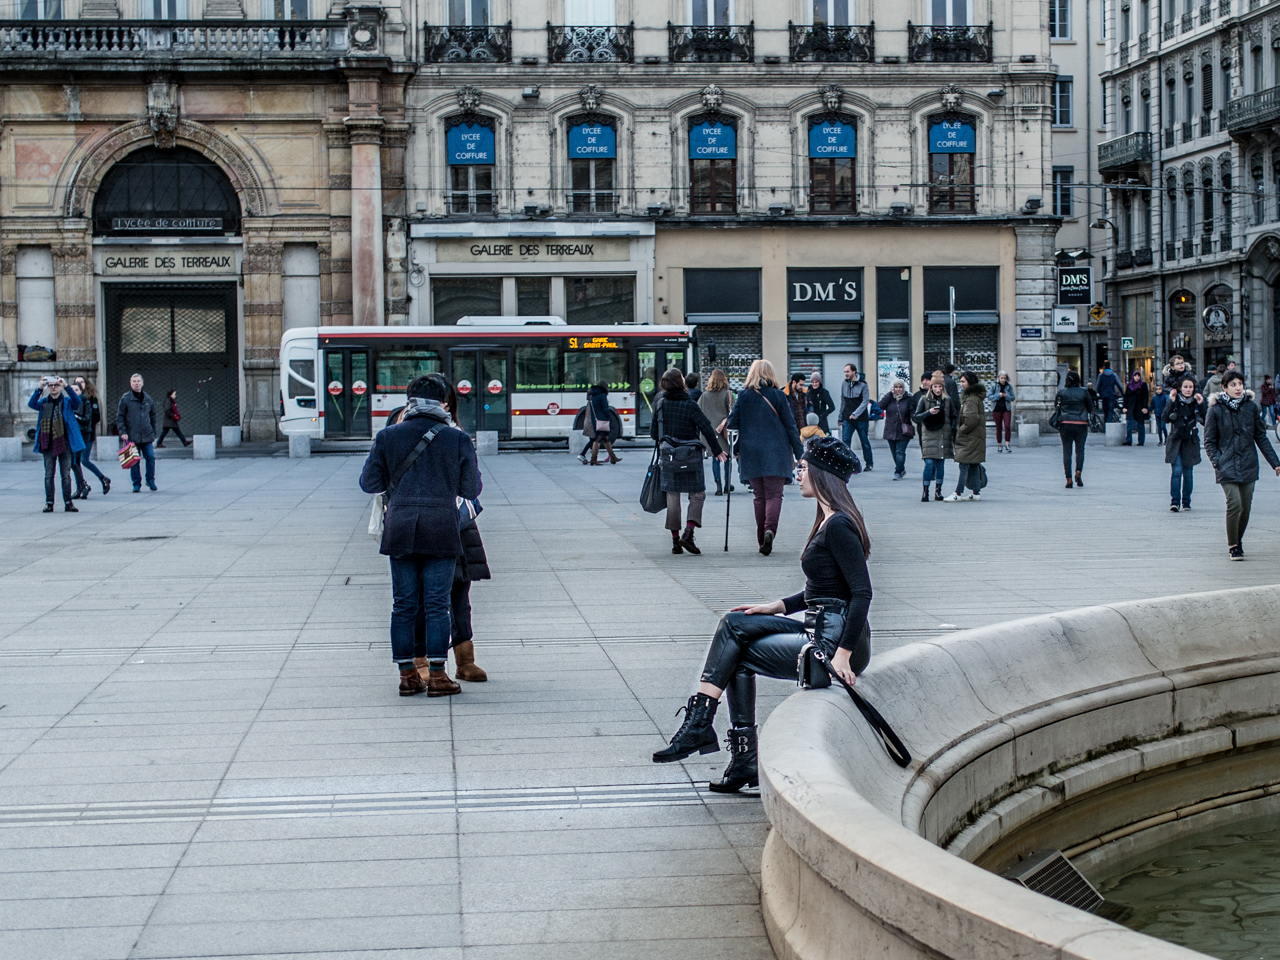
(1170, 250)
(591, 44)
(199, 38)
(1187, 250)
(1168, 30)
(1255, 110)
(1142, 257)
(1206, 13)
(1187, 134)
(1124, 259)
(1124, 54)
(1186, 23)
(825, 43)
(1168, 137)
(1124, 151)
(468, 44)
(593, 201)
(1224, 8)
(1224, 241)
(1144, 44)
(942, 44)
(723, 44)
(1206, 125)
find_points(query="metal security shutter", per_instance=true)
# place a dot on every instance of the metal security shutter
(976, 347)
(893, 341)
(737, 344)
(824, 337)
(178, 338)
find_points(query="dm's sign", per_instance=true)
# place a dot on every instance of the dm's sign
(468, 144)
(824, 290)
(1075, 285)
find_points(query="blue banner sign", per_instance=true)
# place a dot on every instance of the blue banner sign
(951, 136)
(832, 139)
(470, 144)
(713, 141)
(592, 141)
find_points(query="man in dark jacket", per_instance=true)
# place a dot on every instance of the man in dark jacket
(855, 412)
(136, 421)
(424, 465)
(1232, 428)
(820, 402)
(1110, 390)
(953, 390)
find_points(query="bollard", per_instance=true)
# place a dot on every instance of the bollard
(877, 429)
(1028, 434)
(486, 443)
(10, 449)
(299, 446)
(231, 436)
(203, 446)
(1115, 435)
(577, 440)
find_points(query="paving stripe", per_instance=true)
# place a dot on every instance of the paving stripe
(364, 805)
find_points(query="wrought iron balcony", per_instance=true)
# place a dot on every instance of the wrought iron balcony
(1124, 259)
(1126, 151)
(942, 44)
(1144, 44)
(468, 44)
(1186, 23)
(1170, 250)
(1168, 137)
(1187, 250)
(1206, 13)
(1187, 135)
(1168, 30)
(591, 44)
(1254, 111)
(68, 40)
(1124, 54)
(825, 43)
(1224, 241)
(1206, 125)
(723, 44)
(1224, 8)
(1142, 257)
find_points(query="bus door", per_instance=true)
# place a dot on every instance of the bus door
(652, 363)
(347, 397)
(482, 378)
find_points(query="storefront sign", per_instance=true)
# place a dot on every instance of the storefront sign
(824, 291)
(1066, 320)
(470, 143)
(160, 224)
(527, 250)
(713, 141)
(951, 136)
(1031, 333)
(1217, 322)
(1075, 285)
(592, 141)
(166, 261)
(832, 139)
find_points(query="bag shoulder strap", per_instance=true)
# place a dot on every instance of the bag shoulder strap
(894, 746)
(413, 455)
(769, 402)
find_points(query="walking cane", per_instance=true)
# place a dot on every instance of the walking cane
(728, 482)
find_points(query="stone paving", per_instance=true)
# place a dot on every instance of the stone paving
(202, 753)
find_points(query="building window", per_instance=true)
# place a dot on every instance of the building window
(471, 147)
(1189, 197)
(1146, 111)
(711, 13)
(951, 150)
(1059, 19)
(285, 10)
(600, 299)
(1226, 82)
(713, 166)
(1226, 205)
(832, 13)
(1062, 102)
(40, 10)
(1062, 177)
(455, 297)
(593, 151)
(1206, 205)
(1206, 90)
(1126, 114)
(1171, 214)
(832, 153)
(590, 13)
(166, 9)
(468, 13)
(1125, 25)
(1171, 110)
(1189, 97)
(1255, 62)
(952, 13)
(1259, 195)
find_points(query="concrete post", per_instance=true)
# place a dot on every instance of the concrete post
(10, 449)
(204, 446)
(231, 437)
(1115, 435)
(299, 446)
(1028, 434)
(486, 443)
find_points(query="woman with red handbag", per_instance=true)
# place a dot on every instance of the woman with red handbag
(171, 418)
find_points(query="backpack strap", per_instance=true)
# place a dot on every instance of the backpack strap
(408, 461)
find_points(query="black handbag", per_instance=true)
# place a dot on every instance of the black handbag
(816, 672)
(652, 499)
(678, 456)
(1055, 418)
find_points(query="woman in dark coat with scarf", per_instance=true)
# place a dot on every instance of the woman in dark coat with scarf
(898, 429)
(1137, 404)
(768, 446)
(57, 436)
(676, 417)
(1184, 414)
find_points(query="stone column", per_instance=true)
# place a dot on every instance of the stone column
(364, 128)
(1034, 291)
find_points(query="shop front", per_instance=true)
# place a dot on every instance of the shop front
(583, 273)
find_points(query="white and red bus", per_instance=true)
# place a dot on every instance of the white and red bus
(525, 377)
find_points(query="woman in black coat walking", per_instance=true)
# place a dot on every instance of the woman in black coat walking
(1073, 404)
(677, 418)
(898, 429)
(768, 439)
(1232, 428)
(1184, 414)
(598, 422)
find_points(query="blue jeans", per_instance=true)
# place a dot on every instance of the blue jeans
(86, 462)
(933, 470)
(1140, 424)
(1181, 480)
(1162, 429)
(847, 427)
(135, 472)
(970, 476)
(426, 581)
(899, 450)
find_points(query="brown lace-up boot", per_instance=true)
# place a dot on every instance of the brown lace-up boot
(411, 683)
(464, 656)
(439, 684)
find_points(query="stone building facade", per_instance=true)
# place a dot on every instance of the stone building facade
(1194, 168)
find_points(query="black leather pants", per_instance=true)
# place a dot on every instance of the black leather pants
(748, 644)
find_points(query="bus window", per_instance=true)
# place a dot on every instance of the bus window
(302, 379)
(538, 368)
(585, 368)
(396, 369)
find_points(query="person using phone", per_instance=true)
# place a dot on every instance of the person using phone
(57, 436)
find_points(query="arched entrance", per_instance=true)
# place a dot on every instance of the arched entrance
(166, 223)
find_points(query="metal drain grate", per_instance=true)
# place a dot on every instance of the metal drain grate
(1050, 873)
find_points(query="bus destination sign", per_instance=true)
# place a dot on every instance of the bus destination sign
(593, 343)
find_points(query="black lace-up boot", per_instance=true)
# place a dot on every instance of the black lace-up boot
(741, 771)
(697, 734)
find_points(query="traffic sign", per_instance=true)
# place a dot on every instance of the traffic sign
(1097, 312)
(1126, 343)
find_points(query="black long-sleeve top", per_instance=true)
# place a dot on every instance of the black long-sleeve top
(835, 567)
